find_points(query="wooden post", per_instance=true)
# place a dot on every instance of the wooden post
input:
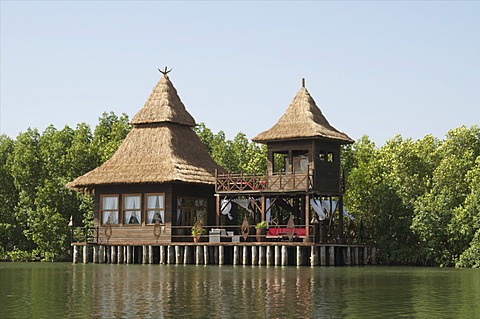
(129, 254)
(178, 255)
(221, 255)
(278, 256)
(348, 261)
(357, 259)
(261, 256)
(307, 217)
(254, 256)
(120, 254)
(144, 254)
(299, 256)
(365, 255)
(323, 256)
(113, 252)
(313, 256)
(150, 254)
(101, 252)
(85, 254)
(340, 219)
(236, 255)
(284, 256)
(198, 255)
(374, 255)
(186, 255)
(245, 255)
(332, 255)
(75, 254)
(269, 255)
(206, 255)
(95, 254)
(171, 254)
(263, 204)
(163, 258)
(108, 250)
(218, 206)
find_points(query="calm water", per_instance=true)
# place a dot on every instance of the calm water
(64, 290)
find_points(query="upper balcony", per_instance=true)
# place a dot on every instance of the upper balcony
(268, 183)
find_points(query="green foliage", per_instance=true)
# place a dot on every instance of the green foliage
(261, 225)
(237, 155)
(34, 169)
(419, 201)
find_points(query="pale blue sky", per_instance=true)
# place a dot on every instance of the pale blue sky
(374, 68)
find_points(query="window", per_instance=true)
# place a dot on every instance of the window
(322, 156)
(155, 208)
(191, 209)
(330, 157)
(109, 209)
(131, 209)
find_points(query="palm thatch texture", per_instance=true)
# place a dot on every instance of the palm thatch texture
(162, 147)
(302, 119)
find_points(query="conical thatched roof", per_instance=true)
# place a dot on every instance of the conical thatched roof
(162, 147)
(163, 105)
(302, 119)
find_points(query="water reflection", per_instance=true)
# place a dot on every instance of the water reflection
(174, 291)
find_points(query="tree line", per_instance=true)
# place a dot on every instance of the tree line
(418, 199)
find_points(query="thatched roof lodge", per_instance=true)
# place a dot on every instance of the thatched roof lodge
(302, 119)
(304, 140)
(161, 174)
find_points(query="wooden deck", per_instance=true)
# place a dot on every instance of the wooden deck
(229, 253)
(282, 182)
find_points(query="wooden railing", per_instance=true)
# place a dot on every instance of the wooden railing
(287, 181)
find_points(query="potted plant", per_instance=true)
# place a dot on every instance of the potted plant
(197, 232)
(261, 228)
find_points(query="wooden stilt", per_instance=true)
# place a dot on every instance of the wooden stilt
(129, 254)
(254, 255)
(95, 254)
(186, 255)
(278, 256)
(365, 255)
(261, 256)
(332, 256)
(101, 254)
(236, 255)
(374, 255)
(163, 255)
(245, 255)
(348, 260)
(171, 254)
(221, 255)
(269, 256)
(113, 254)
(199, 255)
(178, 255)
(144, 254)
(206, 255)
(75, 254)
(150, 254)
(85, 254)
(323, 255)
(299, 256)
(120, 254)
(108, 251)
(284, 256)
(357, 257)
(313, 256)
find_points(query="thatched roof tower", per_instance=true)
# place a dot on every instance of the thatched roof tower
(302, 119)
(162, 147)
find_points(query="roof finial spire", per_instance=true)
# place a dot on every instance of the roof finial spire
(303, 82)
(164, 71)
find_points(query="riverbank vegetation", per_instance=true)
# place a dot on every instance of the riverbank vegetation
(418, 200)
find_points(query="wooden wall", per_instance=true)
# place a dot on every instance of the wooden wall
(127, 234)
